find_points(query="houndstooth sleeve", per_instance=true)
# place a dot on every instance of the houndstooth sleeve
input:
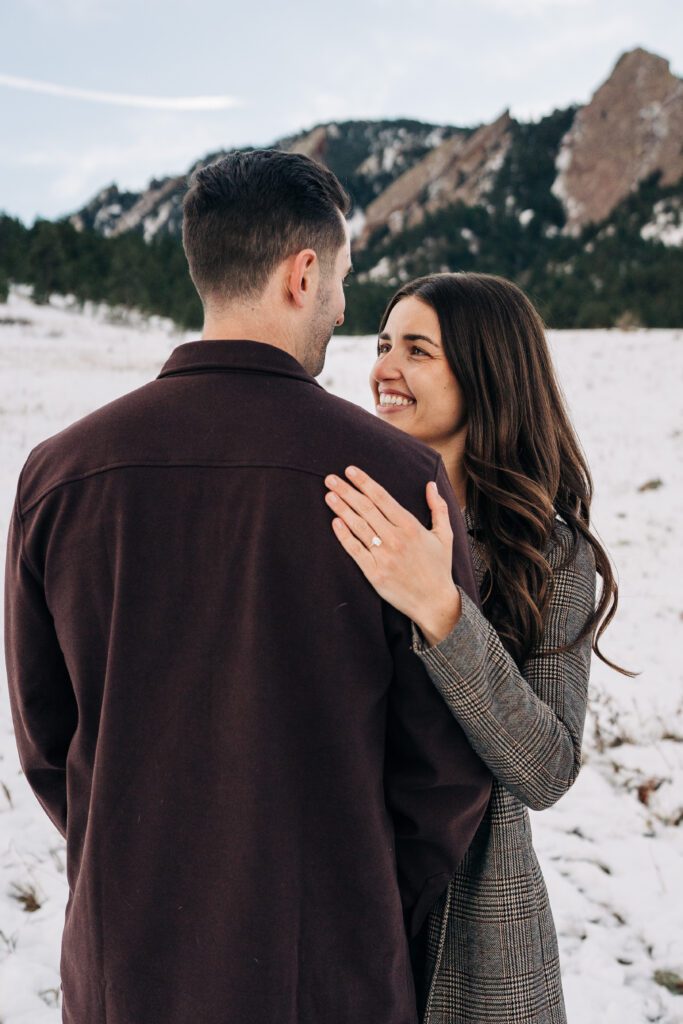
(526, 726)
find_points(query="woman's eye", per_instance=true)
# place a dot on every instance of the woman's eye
(383, 347)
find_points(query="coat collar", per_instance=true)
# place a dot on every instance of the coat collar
(467, 516)
(476, 547)
(227, 356)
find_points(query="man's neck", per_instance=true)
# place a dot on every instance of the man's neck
(247, 329)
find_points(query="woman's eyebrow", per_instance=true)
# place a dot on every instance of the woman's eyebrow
(385, 336)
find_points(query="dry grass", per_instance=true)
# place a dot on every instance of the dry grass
(27, 895)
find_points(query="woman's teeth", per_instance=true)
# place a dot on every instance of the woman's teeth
(395, 400)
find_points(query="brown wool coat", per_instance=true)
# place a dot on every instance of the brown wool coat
(256, 778)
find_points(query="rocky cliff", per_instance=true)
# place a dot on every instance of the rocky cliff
(462, 169)
(631, 129)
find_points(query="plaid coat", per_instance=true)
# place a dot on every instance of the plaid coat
(491, 946)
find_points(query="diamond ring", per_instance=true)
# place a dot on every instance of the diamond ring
(376, 541)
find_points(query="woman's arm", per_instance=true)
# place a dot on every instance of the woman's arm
(526, 726)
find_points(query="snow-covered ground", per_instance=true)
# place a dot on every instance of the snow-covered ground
(612, 849)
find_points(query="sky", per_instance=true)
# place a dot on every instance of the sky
(100, 91)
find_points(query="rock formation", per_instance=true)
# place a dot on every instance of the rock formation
(632, 127)
(461, 168)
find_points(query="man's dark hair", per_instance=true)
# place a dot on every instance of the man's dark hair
(250, 210)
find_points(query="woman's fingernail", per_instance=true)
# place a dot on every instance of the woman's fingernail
(352, 471)
(331, 481)
(433, 483)
(333, 498)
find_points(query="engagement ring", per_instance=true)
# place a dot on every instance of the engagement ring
(376, 541)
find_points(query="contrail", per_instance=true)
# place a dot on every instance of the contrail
(123, 99)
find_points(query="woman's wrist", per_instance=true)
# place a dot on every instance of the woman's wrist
(441, 618)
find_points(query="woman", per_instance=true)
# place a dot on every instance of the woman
(463, 365)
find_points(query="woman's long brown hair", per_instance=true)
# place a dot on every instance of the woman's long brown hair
(523, 460)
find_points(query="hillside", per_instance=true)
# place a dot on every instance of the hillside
(581, 208)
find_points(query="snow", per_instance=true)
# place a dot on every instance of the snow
(356, 223)
(156, 220)
(103, 217)
(666, 225)
(395, 221)
(560, 188)
(656, 113)
(612, 849)
(435, 138)
(486, 176)
(389, 156)
(564, 158)
(471, 239)
(381, 270)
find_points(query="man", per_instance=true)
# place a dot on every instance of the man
(257, 782)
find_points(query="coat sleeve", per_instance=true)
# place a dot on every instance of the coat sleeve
(437, 787)
(527, 726)
(42, 700)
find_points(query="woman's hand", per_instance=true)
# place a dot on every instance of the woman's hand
(411, 567)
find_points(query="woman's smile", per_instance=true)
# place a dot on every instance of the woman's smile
(391, 400)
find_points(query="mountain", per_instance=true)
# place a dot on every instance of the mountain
(157, 209)
(400, 171)
(582, 208)
(367, 155)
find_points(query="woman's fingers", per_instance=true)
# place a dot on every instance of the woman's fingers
(359, 553)
(371, 501)
(359, 503)
(356, 523)
(441, 520)
(379, 496)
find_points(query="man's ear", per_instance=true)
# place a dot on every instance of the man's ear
(302, 276)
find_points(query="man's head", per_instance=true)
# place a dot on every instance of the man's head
(267, 245)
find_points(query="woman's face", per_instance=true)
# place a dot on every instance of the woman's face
(413, 385)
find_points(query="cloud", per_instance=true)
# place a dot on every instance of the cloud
(180, 103)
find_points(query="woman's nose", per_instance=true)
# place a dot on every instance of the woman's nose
(388, 368)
